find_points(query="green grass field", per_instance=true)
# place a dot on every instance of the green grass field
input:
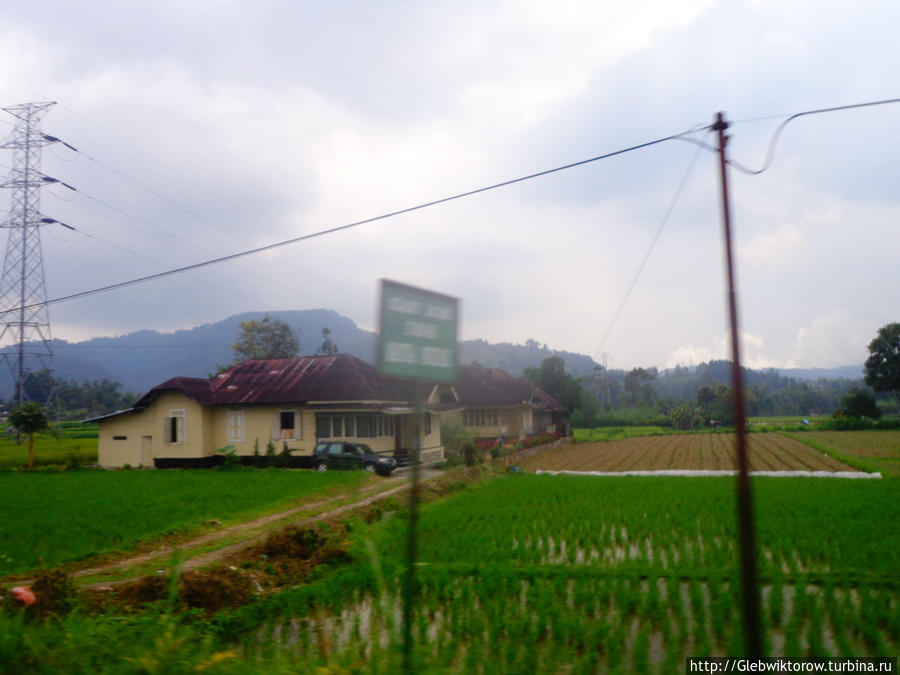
(527, 573)
(50, 518)
(616, 433)
(867, 450)
(584, 574)
(69, 443)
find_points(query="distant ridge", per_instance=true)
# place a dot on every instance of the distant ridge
(840, 372)
(144, 358)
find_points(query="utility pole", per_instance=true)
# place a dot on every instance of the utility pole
(746, 533)
(24, 320)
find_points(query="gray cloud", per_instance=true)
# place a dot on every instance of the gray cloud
(283, 118)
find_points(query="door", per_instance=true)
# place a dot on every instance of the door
(147, 452)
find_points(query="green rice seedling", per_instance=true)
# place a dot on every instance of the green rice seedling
(614, 647)
(640, 652)
(775, 605)
(654, 609)
(698, 611)
(816, 628)
(792, 630)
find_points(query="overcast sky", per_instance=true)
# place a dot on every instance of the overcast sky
(210, 127)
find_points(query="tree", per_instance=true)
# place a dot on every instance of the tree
(685, 416)
(328, 347)
(883, 364)
(265, 339)
(639, 386)
(859, 403)
(29, 418)
(553, 378)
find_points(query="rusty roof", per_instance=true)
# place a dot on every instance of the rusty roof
(342, 379)
(337, 378)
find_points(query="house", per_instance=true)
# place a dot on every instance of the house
(498, 405)
(292, 403)
(295, 403)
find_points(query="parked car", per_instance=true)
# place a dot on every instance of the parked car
(343, 455)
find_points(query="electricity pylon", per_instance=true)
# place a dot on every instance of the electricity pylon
(24, 320)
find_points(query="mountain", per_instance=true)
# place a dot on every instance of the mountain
(143, 359)
(845, 372)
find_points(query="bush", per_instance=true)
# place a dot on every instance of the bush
(215, 589)
(840, 423)
(230, 459)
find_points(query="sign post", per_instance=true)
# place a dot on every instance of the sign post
(417, 342)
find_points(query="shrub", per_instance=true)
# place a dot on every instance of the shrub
(215, 589)
(230, 459)
(54, 591)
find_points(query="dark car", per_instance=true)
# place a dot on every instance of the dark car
(343, 455)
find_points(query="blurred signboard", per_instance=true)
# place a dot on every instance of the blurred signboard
(417, 336)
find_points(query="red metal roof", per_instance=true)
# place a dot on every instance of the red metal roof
(343, 378)
(340, 377)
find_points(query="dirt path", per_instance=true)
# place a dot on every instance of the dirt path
(249, 533)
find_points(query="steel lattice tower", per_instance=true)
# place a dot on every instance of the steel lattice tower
(24, 319)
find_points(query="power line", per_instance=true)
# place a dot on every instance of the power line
(186, 243)
(776, 136)
(189, 213)
(659, 230)
(358, 223)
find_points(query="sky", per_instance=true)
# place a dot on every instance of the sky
(206, 128)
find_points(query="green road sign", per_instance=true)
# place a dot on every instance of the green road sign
(417, 334)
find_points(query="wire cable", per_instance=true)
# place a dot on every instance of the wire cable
(776, 136)
(659, 230)
(358, 223)
(184, 242)
(157, 262)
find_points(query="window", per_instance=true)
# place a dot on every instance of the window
(120, 438)
(428, 424)
(481, 418)
(175, 427)
(288, 427)
(323, 426)
(234, 425)
(354, 426)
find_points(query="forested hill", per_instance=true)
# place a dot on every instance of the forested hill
(143, 359)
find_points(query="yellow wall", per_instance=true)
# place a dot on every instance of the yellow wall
(260, 425)
(510, 422)
(146, 434)
(206, 430)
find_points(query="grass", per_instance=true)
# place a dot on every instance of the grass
(66, 444)
(576, 574)
(616, 433)
(51, 518)
(507, 576)
(866, 450)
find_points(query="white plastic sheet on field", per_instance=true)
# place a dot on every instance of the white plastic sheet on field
(710, 472)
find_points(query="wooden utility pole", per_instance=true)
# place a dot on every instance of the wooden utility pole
(746, 534)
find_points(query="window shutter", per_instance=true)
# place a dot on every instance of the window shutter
(276, 426)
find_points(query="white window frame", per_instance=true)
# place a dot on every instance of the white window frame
(234, 426)
(179, 415)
